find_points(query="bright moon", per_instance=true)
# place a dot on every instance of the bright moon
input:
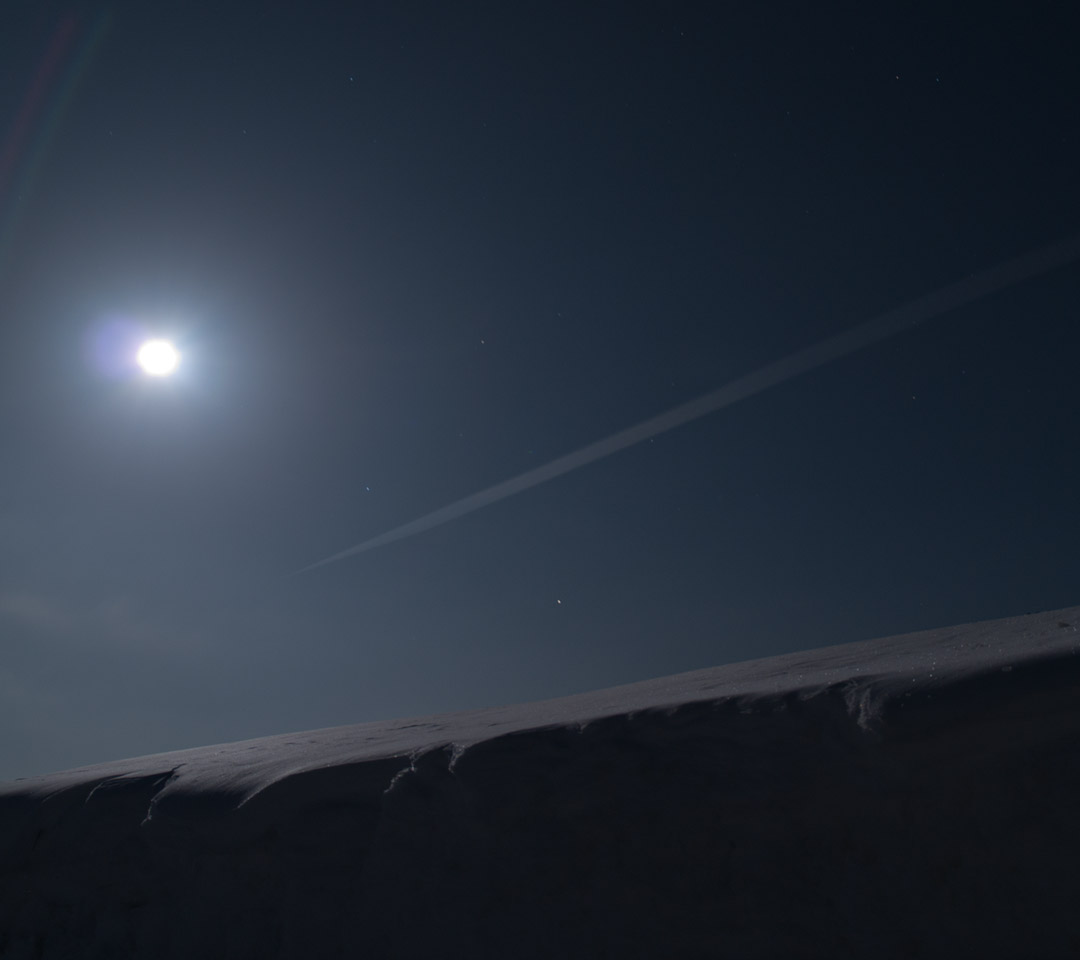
(158, 357)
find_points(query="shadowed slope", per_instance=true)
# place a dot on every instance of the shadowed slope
(912, 796)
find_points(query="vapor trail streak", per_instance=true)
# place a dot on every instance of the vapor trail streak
(886, 325)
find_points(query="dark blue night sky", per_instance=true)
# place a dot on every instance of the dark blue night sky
(411, 250)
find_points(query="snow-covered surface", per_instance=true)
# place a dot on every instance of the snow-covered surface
(907, 796)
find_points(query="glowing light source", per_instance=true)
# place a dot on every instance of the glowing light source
(158, 357)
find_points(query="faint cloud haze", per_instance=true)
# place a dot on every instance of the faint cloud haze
(33, 611)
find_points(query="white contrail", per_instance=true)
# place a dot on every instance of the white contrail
(880, 328)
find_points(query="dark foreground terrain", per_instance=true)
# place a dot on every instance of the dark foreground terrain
(916, 796)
